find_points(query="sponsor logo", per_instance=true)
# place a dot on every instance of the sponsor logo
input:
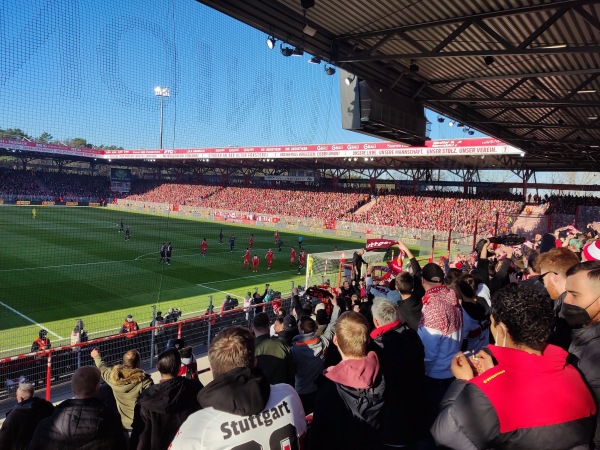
(367, 146)
(72, 203)
(352, 147)
(93, 204)
(47, 203)
(23, 202)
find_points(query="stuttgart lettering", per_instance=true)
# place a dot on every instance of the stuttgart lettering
(264, 419)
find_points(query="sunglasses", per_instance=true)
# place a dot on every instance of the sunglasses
(541, 277)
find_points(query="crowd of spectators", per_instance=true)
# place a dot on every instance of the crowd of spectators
(18, 182)
(440, 211)
(323, 204)
(443, 355)
(567, 204)
(175, 193)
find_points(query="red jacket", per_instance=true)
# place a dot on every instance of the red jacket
(525, 401)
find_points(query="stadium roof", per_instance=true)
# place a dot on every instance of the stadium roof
(523, 71)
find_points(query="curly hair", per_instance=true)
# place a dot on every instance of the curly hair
(528, 315)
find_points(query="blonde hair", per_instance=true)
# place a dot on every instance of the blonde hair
(352, 334)
(231, 349)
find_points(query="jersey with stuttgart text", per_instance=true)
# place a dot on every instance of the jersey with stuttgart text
(280, 426)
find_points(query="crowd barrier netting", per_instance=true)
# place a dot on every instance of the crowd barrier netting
(51, 370)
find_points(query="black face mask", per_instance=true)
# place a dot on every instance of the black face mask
(574, 315)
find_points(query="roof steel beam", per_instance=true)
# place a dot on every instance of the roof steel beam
(521, 76)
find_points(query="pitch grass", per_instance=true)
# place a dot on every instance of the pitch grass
(72, 263)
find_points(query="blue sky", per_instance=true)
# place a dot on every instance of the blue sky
(88, 69)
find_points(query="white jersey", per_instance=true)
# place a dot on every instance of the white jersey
(281, 425)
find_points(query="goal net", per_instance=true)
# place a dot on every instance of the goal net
(335, 267)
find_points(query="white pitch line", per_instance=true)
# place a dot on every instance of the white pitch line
(218, 290)
(31, 320)
(244, 278)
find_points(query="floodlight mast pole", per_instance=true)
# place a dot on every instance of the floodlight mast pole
(162, 93)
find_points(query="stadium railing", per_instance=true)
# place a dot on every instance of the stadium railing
(51, 370)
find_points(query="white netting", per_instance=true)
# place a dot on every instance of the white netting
(335, 266)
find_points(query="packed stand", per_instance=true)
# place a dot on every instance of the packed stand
(175, 193)
(567, 204)
(18, 182)
(440, 211)
(73, 187)
(322, 204)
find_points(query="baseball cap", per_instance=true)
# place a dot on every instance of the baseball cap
(432, 273)
(289, 323)
(591, 252)
(129, 316)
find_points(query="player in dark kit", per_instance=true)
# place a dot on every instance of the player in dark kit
(121, 226)
(127, 234)
(169, 251)
(163, 253)
(279, 244)
(221, 237)
(231, 243)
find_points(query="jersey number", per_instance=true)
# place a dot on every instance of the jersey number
(285, 438)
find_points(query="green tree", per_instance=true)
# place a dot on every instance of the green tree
(14, 133)
(78, 143)
(45, 138)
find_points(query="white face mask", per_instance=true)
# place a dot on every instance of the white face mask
(496, 335)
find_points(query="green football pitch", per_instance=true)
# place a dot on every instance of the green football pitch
(71, 263)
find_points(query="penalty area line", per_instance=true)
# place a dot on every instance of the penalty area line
(218, 290)
(30, 320)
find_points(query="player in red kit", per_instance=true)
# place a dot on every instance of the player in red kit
(255, 263)
(269, 259)
(293, 257)
(246, 260)
(302, 258)
(250, 241)
(203, 247)
(276, 237)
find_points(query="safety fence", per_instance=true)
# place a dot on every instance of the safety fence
(50, 371)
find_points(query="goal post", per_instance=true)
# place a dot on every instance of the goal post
(335, 266)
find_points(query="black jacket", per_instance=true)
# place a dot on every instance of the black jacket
(525, 402)
(561, 332)
(348, 415)
(585, 355)
(84, 424)
(162, 409)
(16, 430)
(401, 355)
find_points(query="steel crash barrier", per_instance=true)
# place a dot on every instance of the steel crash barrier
(50, 371)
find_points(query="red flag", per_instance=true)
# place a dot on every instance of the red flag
(377, 244)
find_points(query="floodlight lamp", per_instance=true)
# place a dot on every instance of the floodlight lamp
(460, 125)
(440, 119)
(349, 79)
(271, 42)
(471, 132)
(314, 60)
(414, 67)
(451, 123)
(489, 60)
(330, 70)
(286, 51)
(298, 51)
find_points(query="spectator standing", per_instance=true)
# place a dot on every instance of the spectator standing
(165, 406)
(16, 431)
(273, 356)
(581, 311)
(440, 331)
(41, 344)
(401, 355)
(530, 399)
(129, 327)
(159, 331)
(349, 406)
(81, 422)
(127, 381)
(308, 351)
(239, 405)
(357, 264)
(554, 265)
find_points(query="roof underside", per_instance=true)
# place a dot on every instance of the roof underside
(542, 56)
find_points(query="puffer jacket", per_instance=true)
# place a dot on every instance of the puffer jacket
(127, 385)
(163, 408)
(585, 355)
(80, 424)
(15, 433)
(525, 402)
(349, 406)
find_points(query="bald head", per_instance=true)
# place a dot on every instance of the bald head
(85, 382)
